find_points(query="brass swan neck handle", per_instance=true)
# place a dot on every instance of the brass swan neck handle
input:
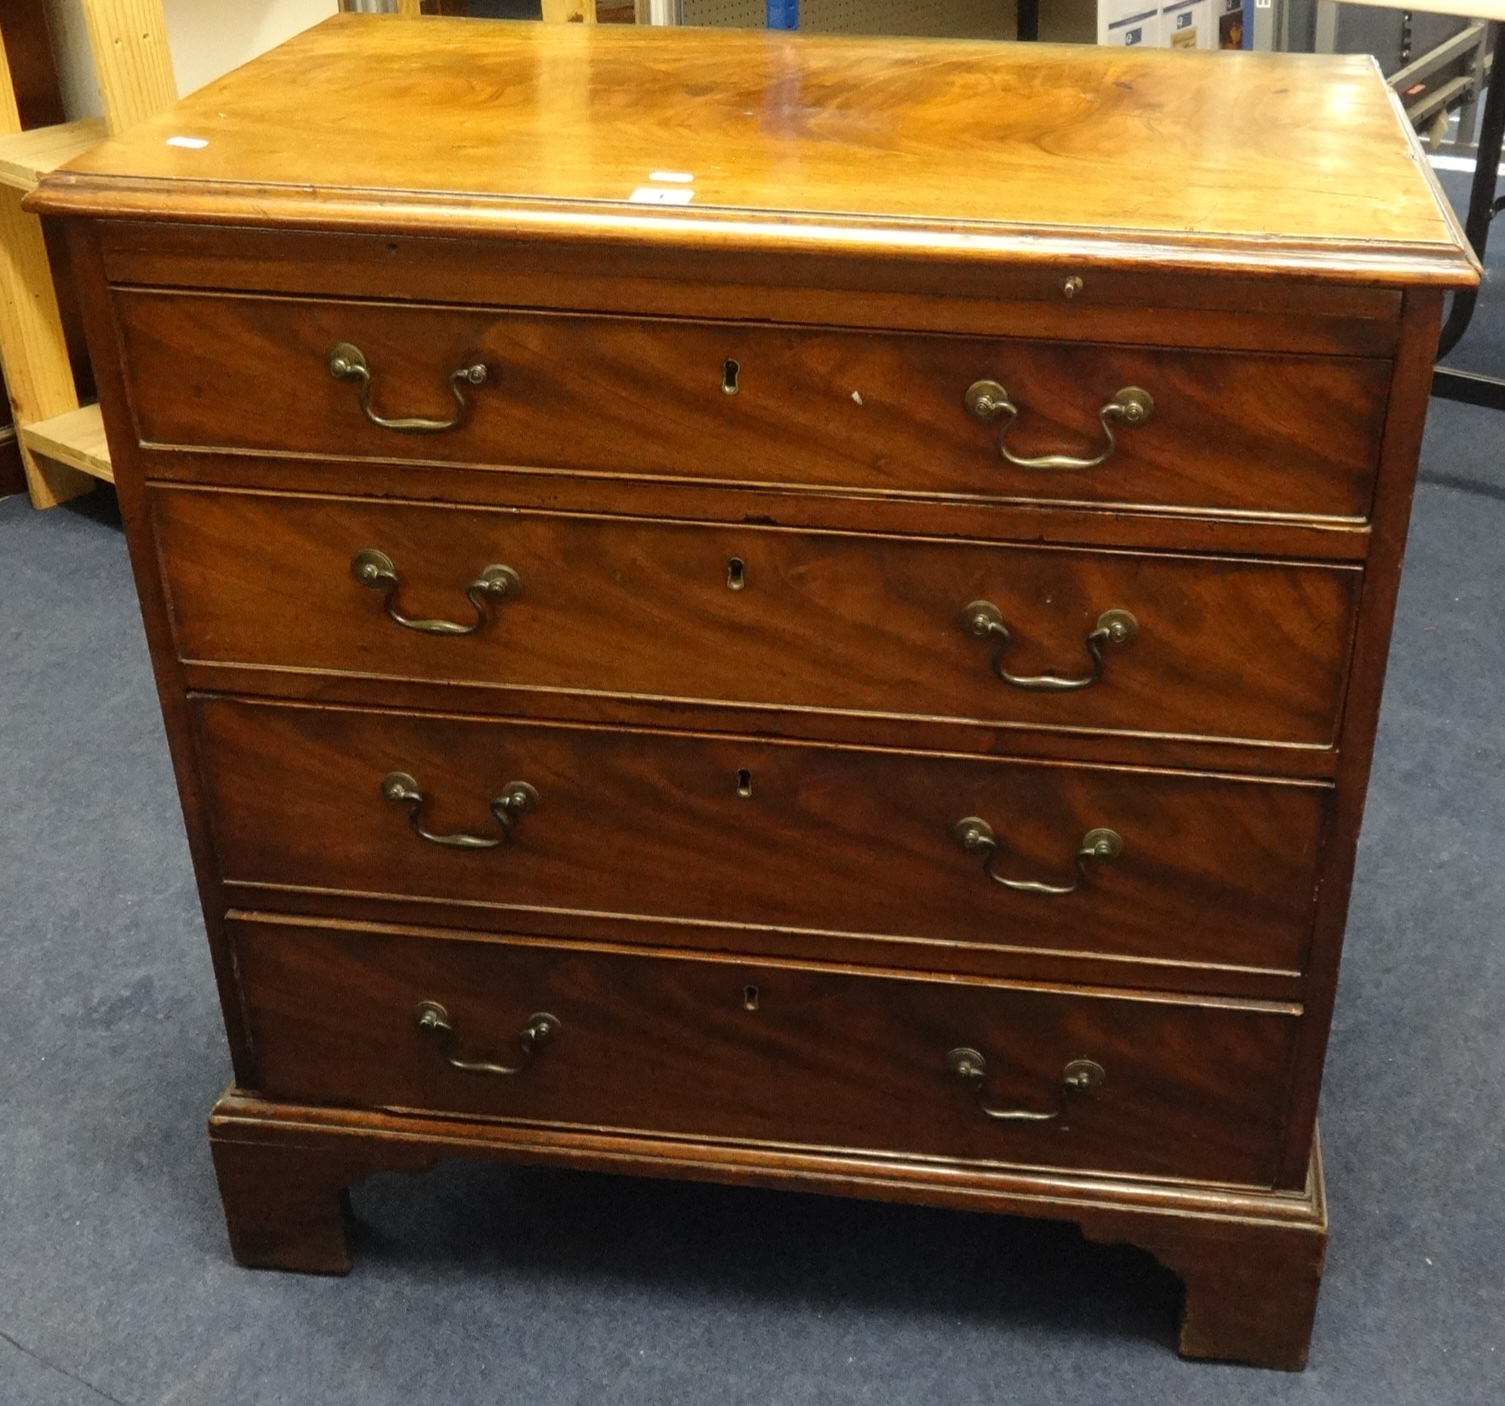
(495, 584)
(347, 362)
(517, 799)
(434, 1020)
(1081, 1076)
(988, 401)
(1114, 627)
(976, 836)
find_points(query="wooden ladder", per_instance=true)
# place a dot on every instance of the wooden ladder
(63, 443)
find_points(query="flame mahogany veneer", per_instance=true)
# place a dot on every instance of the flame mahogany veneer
(675, 854)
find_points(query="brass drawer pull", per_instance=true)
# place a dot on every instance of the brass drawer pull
(348, 363)
(1081, 1076)
(988, 401)
(495, 584)
(976, 837)
(1116, 627)
(517, 798)
(540, 1029)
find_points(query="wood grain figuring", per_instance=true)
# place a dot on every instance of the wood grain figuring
(668, 1046)
(131, 59)
(876, 414)
(825, 842)
(804, 139)
(844, 623)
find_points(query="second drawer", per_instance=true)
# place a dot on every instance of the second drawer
(548, 822)
(1180, 646)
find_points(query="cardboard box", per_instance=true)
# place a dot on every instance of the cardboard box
(1188, 24)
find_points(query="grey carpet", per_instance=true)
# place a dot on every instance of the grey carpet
(497, 1285)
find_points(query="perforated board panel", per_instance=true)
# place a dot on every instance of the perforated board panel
(954, 19)
(948, 19)
(726, 14)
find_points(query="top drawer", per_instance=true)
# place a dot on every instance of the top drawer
(729, 403)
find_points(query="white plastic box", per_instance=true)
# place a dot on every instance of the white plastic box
(1129, 23)
(1171, 24)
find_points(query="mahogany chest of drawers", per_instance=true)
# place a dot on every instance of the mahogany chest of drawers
(798, 612)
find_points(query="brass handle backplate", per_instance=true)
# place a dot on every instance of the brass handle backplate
(433, 1019)
(517, 798)
(1116, 627)
(494, 585)
(348, 363)
(976, 836)
(988, 401)
(1081, 1076)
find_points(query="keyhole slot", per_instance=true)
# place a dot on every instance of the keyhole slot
(729, 373)
(744, 782)
(736, 574)
(749, 998)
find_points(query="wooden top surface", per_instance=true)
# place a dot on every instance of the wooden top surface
(1247, 162)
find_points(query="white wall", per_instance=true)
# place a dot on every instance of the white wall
(207, 38)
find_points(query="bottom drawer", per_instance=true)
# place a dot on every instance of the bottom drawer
(1113, 1082)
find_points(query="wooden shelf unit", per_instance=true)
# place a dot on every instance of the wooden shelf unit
(25, 157)
(76, 438)
(62, 442)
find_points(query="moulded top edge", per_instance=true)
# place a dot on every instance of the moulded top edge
(1262, 161)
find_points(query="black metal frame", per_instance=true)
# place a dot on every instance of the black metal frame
(1483, 206)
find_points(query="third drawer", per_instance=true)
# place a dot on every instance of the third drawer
(717, 841)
